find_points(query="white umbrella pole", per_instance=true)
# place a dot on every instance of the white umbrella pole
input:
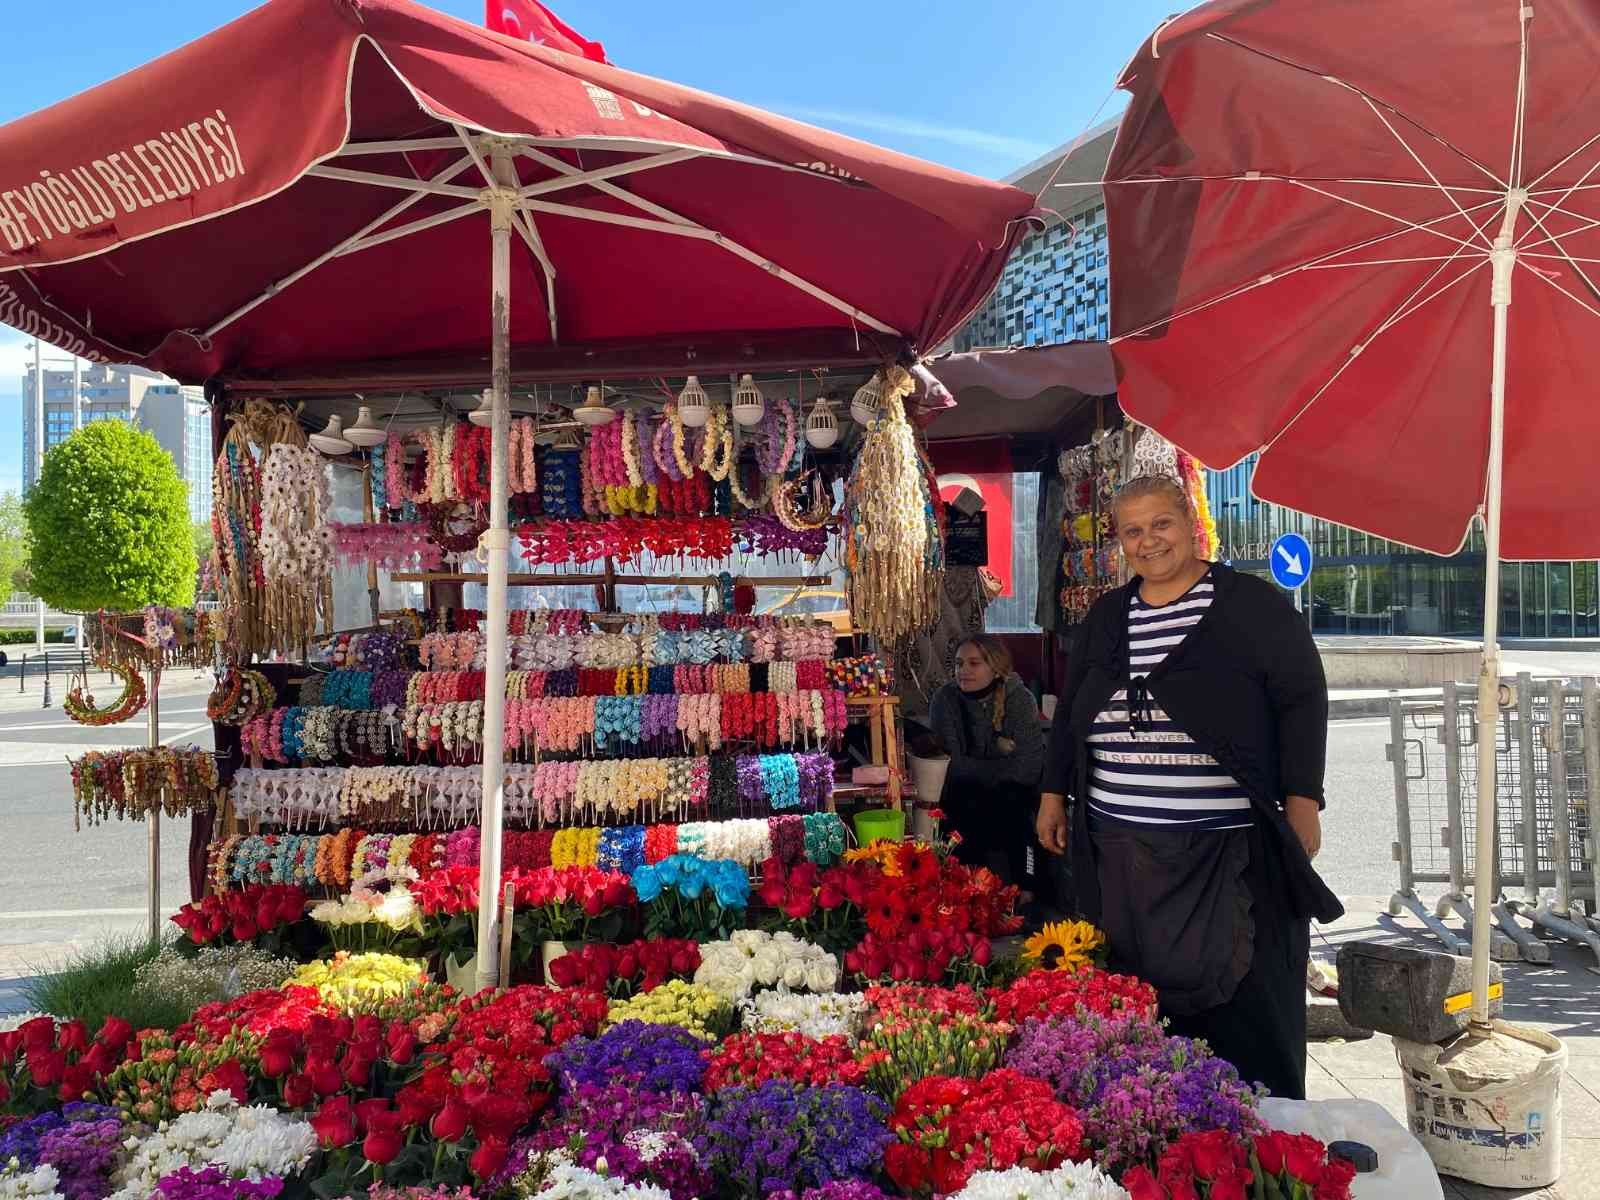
(496, 543)
(1504, 260)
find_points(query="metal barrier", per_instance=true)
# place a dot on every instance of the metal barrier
(1547, 752)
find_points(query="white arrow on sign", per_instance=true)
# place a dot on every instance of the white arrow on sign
(1295, 567)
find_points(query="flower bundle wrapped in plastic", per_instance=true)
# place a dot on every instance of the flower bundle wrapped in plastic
(751, 959)
(784, 1135)
(750, 1059)
(259, 913)
(625, 970)
(245, 1142)
(360, 982)
(1137, 1089)
(704, 1013)
(685, 895)
(836, 1014)
(949, 1128)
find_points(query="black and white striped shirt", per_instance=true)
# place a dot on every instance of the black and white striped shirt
(1157, 775)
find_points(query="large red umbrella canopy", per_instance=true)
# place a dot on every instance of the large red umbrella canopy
(305, 187)
(1301, 204)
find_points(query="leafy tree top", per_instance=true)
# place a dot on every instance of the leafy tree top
(108, 523)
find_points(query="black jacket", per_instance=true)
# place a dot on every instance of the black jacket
(1246, 684)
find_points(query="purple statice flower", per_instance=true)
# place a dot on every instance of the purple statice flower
(781, 1136)
(213, 1183)
(653, 1058)
(838, 1189)
(84, 1153)
(645, 1137)
(21, 1139)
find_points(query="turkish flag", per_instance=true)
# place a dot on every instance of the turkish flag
(530, 21)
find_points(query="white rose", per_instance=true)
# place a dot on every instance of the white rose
(749, 940)
(822, 976)
(794, 973)
(767, 966)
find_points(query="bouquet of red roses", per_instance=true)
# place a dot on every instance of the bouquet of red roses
(449, 902)
(623, 970)
(1216, 1165)
(580, 904)
(824, 906)
(44, 1064)
(949, 1128)
(261, 913)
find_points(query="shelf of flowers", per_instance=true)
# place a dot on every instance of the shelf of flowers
(840, 1032)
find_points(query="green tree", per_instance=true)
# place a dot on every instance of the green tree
(13, 545)
(108, 523)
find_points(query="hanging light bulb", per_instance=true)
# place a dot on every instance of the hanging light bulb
(332, 440)
(593, 410)
(868, 402)
(365, 431)
(484, 414)
(822, 427)
(748, 405)
(694, 406)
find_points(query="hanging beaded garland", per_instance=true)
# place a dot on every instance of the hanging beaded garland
(79, 704)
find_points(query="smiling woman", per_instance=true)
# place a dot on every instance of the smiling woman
(1192, 750)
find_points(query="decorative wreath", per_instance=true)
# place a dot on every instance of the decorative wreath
(80, 707)
(445, 531)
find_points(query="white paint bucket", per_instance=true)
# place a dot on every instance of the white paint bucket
(927, 777)
(1488, 1110)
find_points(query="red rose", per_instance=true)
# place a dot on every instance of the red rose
(627, 964)
(686, 958)
(75, 1081)
(1337, 1176)
(1141, 1185)
(1304, 1157)
(297, 1091)
(230, 1077)
(325, 1076)
(10, 1047)
(46, 1067)
(564, 970)
(800, 906)
(489, 1158)
(415, 1105)
(335, 1122)
(382, 1146)
(1269, 1148)
(450, 1122)
(499, 1115)
(1214, 1153)
(277, 1056)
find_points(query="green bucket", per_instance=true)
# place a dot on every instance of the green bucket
(875, 824)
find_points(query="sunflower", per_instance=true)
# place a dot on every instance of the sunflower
(1064, 946)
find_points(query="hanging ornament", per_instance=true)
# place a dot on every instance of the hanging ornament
(79, 704)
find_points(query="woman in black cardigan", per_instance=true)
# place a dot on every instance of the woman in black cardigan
(1184, 775)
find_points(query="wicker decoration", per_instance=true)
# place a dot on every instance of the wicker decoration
(894, 548)
(261, 615)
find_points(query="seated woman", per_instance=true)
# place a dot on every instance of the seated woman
(989, 725)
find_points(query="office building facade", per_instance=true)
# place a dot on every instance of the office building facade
(175, 415)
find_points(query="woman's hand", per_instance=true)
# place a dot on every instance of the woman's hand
(1305, 818)
(1051, 823)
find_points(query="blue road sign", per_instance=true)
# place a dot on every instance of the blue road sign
(1290, 560)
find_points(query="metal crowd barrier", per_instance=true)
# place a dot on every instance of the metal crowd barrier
(1547, 752)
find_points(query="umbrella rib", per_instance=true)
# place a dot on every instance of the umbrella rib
(672, 222)
(1407, 224)
(1519, 126)
(1585, 223)
(354, 241)
(398, 182)
(1405, 309)
(1416, 158)
(1307, 265)
(523, 223)
(1556, 241)
(1271, 177)
(1544, 276)
(1556, 166)
(421, 225)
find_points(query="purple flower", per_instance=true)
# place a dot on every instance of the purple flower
(838, 1189)
(84, 1153)
(653, 1058)
(212, 1183)
(781, 1136)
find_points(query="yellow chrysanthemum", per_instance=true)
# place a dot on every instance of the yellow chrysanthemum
(698, 1009)
(355, 982)
(1063, 945)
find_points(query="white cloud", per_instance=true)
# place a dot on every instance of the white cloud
(999, 144)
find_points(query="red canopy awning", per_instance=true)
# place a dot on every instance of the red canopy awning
(305, 188)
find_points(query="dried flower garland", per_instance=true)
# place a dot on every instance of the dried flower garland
(894, 552)
(240, 696)
(128, 784)
(79, 704)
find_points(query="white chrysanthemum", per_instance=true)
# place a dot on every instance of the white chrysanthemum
(245, 1142)
(37, 1184)
(568, 1182)
(816, 1016)
(1070, 1181)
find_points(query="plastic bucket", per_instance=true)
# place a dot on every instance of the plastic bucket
(1488, 1110)
(927, 777)
(875, 824)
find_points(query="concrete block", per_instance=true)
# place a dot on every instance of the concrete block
(1324, 1019)
(1402, 991)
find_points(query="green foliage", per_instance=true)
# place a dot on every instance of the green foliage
(201, 532)
(13, 544)
(108, 523)
(24, 637)
(101, 981)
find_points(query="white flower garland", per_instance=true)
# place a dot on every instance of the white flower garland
(296, 543)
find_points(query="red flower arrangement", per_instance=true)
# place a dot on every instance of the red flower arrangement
(246, 915)
(1215, 1165)
(44, 1063)
(623, 970)
(1061, 993)
(824, 906)
(571, 904)
(948, 1128)
(749, 1059)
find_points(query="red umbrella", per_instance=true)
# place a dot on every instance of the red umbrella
(307, 186)
(312, 186)
(1320, 213)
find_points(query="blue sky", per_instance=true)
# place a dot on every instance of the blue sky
(980, 86)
